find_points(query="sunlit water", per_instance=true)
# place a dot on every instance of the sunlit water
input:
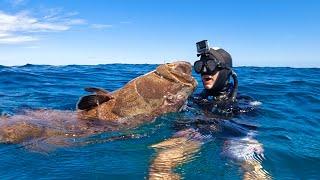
(285, 122)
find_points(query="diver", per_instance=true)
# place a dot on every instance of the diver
(220, 95)
(219, 100)
(215, 69)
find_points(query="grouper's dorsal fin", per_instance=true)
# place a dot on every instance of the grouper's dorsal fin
(96, 90)
(91, 101)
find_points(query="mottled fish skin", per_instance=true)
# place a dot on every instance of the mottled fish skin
(141, 100)
(164, 90)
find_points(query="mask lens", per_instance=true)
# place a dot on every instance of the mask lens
(198, 65)
(211, 64)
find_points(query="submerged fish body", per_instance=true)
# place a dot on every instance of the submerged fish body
(163, 90)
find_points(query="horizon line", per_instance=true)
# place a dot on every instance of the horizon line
(253, 66)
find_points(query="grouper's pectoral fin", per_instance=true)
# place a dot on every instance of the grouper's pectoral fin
(91, 101)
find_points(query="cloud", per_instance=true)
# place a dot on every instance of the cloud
(16, 39)
(56, 14)
(125, 22)
(101, 26)
(6, 38)
(31, 47)
(4, 35)
(21, 27)
(76, 22)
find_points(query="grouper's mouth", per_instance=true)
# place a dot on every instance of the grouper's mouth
(184, 78)
(183, 72)
(178, 72)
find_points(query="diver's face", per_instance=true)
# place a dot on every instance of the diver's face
(209, 80)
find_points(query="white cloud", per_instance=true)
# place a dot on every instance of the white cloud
(56, 14)
(76, 22)
(4, 35)
(31, 47)
(16, 39)
(21, 27)
(24, 27)
(101, 26)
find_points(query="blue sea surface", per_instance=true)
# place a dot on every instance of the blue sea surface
(286, 122)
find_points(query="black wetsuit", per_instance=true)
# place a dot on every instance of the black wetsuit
(220, 103)
(209, 111)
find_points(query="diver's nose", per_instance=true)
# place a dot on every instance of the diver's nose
(204, 70)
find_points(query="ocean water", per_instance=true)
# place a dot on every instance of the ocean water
(285, 124)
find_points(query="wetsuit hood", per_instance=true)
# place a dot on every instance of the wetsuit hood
(224, 74)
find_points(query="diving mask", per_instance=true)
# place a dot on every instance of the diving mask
(207, 66)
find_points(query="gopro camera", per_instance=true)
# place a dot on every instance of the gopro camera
(203, 47)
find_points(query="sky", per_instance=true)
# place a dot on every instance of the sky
(255, 32)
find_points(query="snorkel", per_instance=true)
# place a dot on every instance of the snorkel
(213, 61)
(235, 85)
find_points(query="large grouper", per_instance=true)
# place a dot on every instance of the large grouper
(141, 100)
